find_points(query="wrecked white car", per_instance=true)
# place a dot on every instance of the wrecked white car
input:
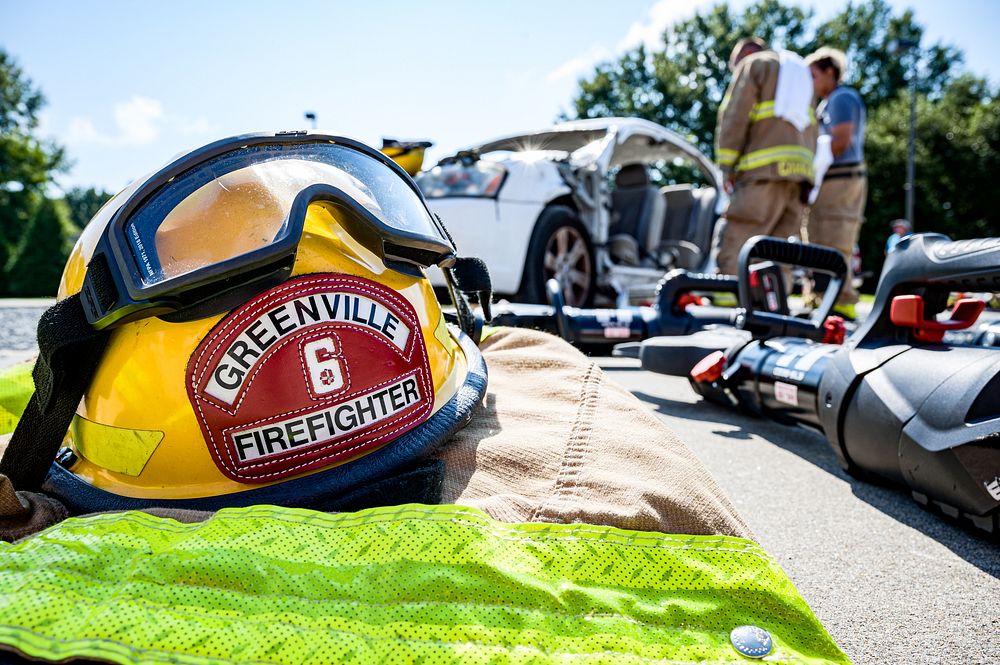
(604, 206)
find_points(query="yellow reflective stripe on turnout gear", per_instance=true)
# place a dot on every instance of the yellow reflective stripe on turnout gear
(726, 157)
(407, 583)
(763, 110)
(789, 154)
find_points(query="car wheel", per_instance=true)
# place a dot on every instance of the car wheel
(560, 249)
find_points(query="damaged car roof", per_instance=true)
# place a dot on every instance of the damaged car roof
(636, 139)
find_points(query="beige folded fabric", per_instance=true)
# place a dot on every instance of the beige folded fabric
(560, 442)
(25, 513)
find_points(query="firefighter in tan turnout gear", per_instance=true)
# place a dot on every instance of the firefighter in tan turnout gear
(765, 139)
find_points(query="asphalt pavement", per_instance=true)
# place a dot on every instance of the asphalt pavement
(891, 582)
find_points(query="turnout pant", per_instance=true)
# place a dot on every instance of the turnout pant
(557, 441)
(759, 207)
(836, 217)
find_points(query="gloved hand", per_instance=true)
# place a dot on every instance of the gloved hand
(821, 162)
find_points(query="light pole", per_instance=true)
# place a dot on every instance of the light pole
(311, 117)
(903, 46)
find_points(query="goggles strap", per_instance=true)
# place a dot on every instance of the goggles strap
(69, 352)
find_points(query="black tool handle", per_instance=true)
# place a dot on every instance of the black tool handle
(931, 258)
(679, 282)
(815, 257)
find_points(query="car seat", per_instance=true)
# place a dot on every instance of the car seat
(636, 216)
(687, 225)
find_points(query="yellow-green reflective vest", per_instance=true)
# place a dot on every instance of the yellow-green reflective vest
(403, 584)
(16, 387)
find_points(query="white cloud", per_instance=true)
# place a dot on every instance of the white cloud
(648, 31)
(578, 66)
(194, 126)
(137, 121)
(82, 130)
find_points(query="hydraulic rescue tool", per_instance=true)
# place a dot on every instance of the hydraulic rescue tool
(682, 306)
(906, 398)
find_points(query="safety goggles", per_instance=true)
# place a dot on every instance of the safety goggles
(226, 220)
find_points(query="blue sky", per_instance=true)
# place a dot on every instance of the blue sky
(130, 84)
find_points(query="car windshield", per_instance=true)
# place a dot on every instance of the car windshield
(460, 178)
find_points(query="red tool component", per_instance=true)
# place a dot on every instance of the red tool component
(834, 330)
(709, 368)
(908, 312)
(686, 299)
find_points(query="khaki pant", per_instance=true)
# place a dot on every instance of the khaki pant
(558, 441)
(835, 221)
(759, 207)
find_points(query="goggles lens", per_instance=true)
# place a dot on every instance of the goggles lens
(239, 201)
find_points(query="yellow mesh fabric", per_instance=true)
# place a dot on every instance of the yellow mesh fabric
(405, 584)
(16, 387)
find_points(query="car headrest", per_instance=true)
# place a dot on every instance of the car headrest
(632, 175)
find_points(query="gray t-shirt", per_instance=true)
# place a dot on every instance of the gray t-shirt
(844, 105)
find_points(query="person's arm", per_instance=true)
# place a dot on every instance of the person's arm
(844, 112)
(840, 137)
(734, 119)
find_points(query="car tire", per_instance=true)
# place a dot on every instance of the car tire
(560, 248)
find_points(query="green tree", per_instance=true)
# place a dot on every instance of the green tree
(27, 163)
(681, 84)
(868, 33)
(84, 204)
(42, 251)
(958, 153)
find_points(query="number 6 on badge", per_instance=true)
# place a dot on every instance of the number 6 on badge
(323, 365)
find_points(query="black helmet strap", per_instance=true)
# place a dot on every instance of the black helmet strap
(472, 276)
(69, 353)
